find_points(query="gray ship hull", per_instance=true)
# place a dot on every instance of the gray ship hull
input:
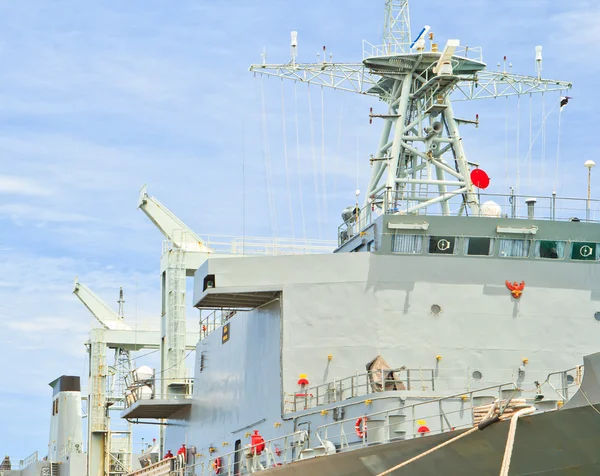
(562, 442)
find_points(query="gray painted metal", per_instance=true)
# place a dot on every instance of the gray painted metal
(337, 312)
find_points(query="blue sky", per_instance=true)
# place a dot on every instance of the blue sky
(98, 98)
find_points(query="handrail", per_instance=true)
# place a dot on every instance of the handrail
(359, 385)
(323, 431)
(547, 208)
(146, 389)
(281, 450)
(214, 321)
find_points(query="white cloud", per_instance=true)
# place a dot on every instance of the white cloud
(13, 185)
(19, 212)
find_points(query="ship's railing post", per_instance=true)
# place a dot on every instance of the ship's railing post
(553, 207)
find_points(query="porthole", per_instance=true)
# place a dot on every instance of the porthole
(477, 375)
(597, 316)
(436, 309)
(570, 379)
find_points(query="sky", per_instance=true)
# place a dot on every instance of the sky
(98, 98)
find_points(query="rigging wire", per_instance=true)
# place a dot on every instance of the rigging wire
(299, 165)
(314, 160)
(543, 166)
(529, 154)
(285, 157)
(267, 157)
(339, 144)
(506, 157)
(518, 142)
(541, 130)
(323, 174)
(557, 148)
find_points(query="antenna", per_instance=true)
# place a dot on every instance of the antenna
(538, 61)
(420, 39)
(294, 46)
(396, 29)
(121, 303)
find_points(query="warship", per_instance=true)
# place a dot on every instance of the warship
(450, 332)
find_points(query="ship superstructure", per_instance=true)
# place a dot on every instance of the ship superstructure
(436, 312)
(443, 312)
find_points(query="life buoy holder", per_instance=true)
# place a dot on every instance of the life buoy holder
(361, 427)
(217, 465)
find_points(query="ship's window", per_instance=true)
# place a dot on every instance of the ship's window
(477, 375)
(514, 248)
(407, 244)
(585, 251)
(550, 249)
(442, 245)
(479, 246)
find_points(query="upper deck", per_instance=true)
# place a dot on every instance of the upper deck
(523, 228)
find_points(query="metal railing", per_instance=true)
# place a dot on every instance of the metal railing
(425, 418)
(149, 389)
(278, 451)
(360, 385)
(564, 383)
(214, 321)
(31, 459)
(228, 244)
(552, 208)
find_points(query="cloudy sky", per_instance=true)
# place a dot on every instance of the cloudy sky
(99, 97)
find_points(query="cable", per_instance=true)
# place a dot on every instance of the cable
(299, 167)
(339, 144)
(314, 159)
(144, 355)
(528, 158)
(518, 142)
(543, 167)
(267, 157)
(557, 150)
(285, 157)
(323, 174)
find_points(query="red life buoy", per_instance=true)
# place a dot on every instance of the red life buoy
(217, 465)
(361, 427)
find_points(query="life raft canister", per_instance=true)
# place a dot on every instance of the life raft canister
(217, 465)
(361, 427)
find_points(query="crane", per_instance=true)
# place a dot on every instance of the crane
(174, 230)
(109, 451)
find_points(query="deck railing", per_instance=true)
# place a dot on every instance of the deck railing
(551, 208)
(360, 385)
(214, 321)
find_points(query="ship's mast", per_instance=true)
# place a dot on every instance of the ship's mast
(396, 29)
(420, 160)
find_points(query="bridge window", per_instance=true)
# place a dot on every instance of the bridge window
(442, 245)
(585, 251)
(407, 244)
(550, 249)
(479, 246)
(514, 248)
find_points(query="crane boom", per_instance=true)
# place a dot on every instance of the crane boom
(169, 225)
(104, 314)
